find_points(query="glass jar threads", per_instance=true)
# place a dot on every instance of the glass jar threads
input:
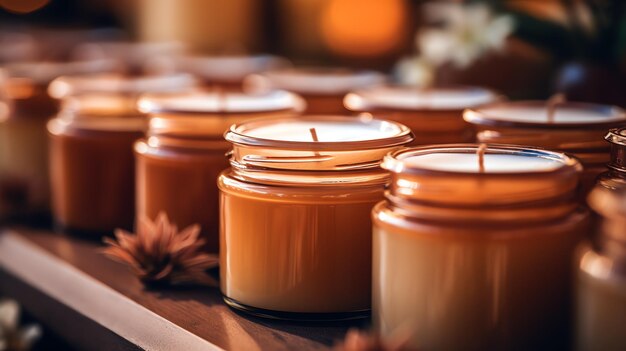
(322, 88)
(474, 252)
(179, 161)
(601, 286)
(295, 236)
(434, 115)
(571, 127)
(91, 148)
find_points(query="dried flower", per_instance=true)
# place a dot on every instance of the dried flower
(356, 340)
(12, 337)
(159, 254)
(469, 32)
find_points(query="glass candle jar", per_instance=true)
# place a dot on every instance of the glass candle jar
(184, 152)
(295, 236)
(434, 115)
(471, 259)
(322, 88)
(91, 148)
(227, 72)
(576, 128)
(24, 183)
(601, 286)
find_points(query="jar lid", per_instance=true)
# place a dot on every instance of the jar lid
(219, 102)
(43, 72)
(315, 143)
(228, 68)
(409, 98)
(318, 81)
(65, 86)
(535, 114)
(509, 174)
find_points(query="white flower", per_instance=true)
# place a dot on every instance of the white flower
(11, 336)
(467, 33)
(415, 71)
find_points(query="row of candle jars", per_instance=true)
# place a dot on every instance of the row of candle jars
(25, 108)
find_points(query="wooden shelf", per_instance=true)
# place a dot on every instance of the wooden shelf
(95, 303)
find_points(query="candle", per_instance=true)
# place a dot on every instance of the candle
(91, 148)
(228, 72)
(323, 88)
(434, 115)
(601, 285)
(295, 239)
(24, 190)
(576, 128)
(179, 161)
(471, 258)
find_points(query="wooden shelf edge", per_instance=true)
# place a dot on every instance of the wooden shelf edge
(89, 297)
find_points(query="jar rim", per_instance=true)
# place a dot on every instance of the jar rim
(481, 115)
(237, 134)
(366, 100)
(218, 102)
(394, 163)
(616, 136)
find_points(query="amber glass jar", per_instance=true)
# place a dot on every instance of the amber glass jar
(91, 148)
(24, 189)
(577, 128)
(434, 115)
(295, 238)
(465, 259)
(322, 88)
(184, 152)
(601, 288)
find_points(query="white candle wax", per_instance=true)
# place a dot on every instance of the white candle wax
(418, 99)
(563, 113)
(326, 130)
(228, 102)
(494, 163)
(315, 81)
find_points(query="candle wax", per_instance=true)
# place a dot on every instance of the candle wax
(563, 114)
(230, 102)
(327, 131)
(494, 163)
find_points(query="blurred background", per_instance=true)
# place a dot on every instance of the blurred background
(524, 48)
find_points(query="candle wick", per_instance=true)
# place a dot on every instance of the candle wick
(482, 148)
(553, 102)
(314, 136)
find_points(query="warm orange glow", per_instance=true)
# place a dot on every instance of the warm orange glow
(364, 27)
(23, 6)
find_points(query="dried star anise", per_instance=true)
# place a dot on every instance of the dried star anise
(160, 254)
